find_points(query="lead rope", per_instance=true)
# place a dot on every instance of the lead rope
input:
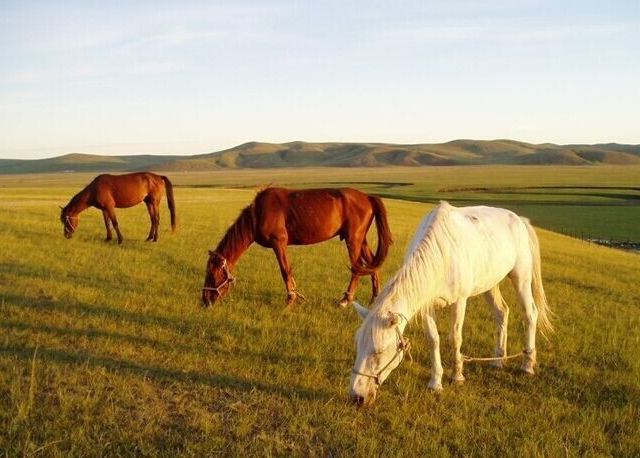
(470, 359)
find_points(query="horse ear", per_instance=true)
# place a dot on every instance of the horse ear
(211, 253)
(362, 311)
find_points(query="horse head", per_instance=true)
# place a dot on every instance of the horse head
(217, 280)
(69, 222)
(380, 347)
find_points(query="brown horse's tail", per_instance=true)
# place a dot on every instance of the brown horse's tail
(171, 202)
(385, 240)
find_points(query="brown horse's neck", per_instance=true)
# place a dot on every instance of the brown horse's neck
(78, 203)
(239, 236)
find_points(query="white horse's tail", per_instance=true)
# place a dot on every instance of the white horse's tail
(539, 297)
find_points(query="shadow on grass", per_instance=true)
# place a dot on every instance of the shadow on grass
(220, 340)
(554, 382)
(603, 394)
(52, 304)
(220, 381)
(98, 333)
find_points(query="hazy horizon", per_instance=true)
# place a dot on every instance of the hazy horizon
(165, 78)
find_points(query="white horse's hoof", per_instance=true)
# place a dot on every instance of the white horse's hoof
(343, 303)
(458, 380)
(435, 387)
(526, 370)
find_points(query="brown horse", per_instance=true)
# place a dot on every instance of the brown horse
(280, 217)
(108, 192)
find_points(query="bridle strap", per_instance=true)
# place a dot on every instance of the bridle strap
(230, 279)
(403, 346)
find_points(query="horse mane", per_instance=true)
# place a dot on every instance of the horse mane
(427, 257)
(78, 200)
(239, 235)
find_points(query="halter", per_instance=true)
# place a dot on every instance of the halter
(403, 345)
(68, 226)
(229, 279)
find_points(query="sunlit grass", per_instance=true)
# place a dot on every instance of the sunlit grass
(104, 349)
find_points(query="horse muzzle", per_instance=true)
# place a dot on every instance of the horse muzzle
(209, 298)
(362, 400)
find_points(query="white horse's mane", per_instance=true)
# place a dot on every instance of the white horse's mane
(427, 257)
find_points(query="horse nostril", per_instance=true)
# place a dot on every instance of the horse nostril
(358, 400)
(207, 299)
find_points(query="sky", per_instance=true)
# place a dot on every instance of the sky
(189, 77)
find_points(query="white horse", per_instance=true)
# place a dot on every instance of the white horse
(455, 254)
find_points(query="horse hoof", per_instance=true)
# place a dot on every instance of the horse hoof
(343, 303)
(435, 387)
(528, 371)
(458, 380)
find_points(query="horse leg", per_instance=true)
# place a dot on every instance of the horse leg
(112, 216)
(355, 249)
(151, 210)
(367, 254)
(493, 297)
(280, 250)
(105, 215)
(457, 320)
(525, 297)
(435, 382)
(156, 211)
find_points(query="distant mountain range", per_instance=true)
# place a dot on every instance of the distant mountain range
(301, 154)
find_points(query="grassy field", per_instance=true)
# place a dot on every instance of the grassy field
(585, 202)
(104, 349)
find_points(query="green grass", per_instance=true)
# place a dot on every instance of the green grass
(104, 349)
(588, 202)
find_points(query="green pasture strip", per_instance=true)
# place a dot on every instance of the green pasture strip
(105, 351)
(600, 202)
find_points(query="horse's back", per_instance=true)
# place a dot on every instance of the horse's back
(308, 215)
(127, 190)
(487, 243)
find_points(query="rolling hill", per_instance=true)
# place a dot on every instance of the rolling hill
(303, 154)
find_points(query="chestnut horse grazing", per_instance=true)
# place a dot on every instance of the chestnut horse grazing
(108, 192)
(280, 217)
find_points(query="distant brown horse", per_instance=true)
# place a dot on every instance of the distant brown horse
(108, 192)
(280, 217)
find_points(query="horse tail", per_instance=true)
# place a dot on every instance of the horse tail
(170, 201)
(385, 240)
(539, 297)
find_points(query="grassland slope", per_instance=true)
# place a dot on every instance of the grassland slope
(116, 358)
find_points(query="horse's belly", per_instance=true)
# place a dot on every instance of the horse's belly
(313, 230)
(311, 237)
(490, 276)
(126, 198)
